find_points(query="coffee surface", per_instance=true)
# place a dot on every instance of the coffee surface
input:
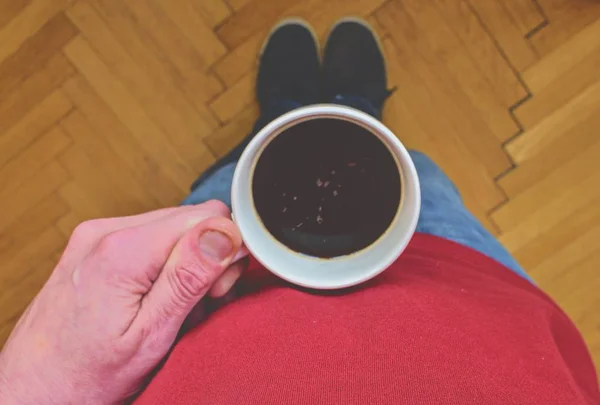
(326, 188)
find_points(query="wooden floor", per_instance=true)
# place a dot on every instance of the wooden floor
(112, 107)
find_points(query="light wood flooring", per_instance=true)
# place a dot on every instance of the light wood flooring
(112, 107)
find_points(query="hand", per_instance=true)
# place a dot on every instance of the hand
(115, 302)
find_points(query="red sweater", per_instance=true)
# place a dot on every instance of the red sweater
(443, 325)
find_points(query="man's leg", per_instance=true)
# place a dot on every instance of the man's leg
(444, 214)
(354, 76)
(288, 78)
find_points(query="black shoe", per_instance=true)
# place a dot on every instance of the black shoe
(289, 66)
(354, 64)
(288, 72)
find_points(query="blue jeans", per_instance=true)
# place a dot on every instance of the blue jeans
(443, 213)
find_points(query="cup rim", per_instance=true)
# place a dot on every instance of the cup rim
(255, 234)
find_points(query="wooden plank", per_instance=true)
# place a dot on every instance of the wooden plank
(566, 259)
(68, 222)
(14, 106)
(25, 165)
(251, 18)
(214, 12)
(584, 312)
(566, 19)
(540, 210)
(29, 274)
(235, 98)
(577, 110)
(526, 15)
(381, 31)
(451, 99)
(503, 29)
(106, 163)
(169, 32)
(89, 203)
(571, 175)
(237, 5)
(35, 52)
(397, 112)
(241, 60)
(18, 296)
(532, 251)
(24, 262)
(140, 71)
(487, 222)
(10, 9)
(199, 34)
(564, 58)
(142, 159)
(550, 5)
(572, 288)
(93, 193)
(452, 62)
(427, 129)
(197, 86)
(128, 110)
(17, 202)
(410, 132)
(30, 225)
(55, 257)
(27, 23)
(559, 92)
(551, 157)
(230, 135)
(34, 123)
(561, 75)
(483, 49)
(168, 108)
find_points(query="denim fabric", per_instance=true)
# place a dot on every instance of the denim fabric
(442, 210)
(216, 187)
(444, 214)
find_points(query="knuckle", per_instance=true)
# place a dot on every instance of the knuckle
(190, 281)
(86, 230)
(111, 243)
(219, 207)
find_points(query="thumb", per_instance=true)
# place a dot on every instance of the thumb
(198, 259)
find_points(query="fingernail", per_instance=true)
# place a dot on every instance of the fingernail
(216, 245)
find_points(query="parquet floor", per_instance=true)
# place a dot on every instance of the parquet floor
(112, 107)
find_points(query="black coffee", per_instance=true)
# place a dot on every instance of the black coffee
(326, 188)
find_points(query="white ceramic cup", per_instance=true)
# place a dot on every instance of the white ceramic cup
(316, 272)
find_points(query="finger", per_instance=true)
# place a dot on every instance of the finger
(227, 279)
(142, 251)
(88, 233)
(214, 206)
(200, 257)
(241, 254)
